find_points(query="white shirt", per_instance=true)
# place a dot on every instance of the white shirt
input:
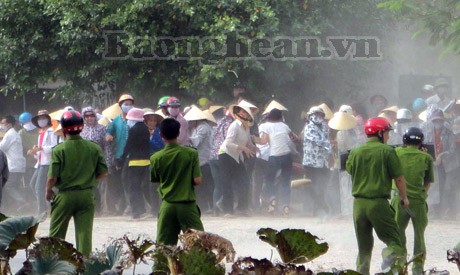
(237, 135)
(11, 145)
(278, 137)
(200, 138)
(49, 141)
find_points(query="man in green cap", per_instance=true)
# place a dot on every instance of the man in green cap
(418, 171)
(76, 165)
(372, 167)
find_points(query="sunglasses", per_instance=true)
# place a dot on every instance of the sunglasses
(92, 115)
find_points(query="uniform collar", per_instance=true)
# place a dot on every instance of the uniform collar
(75, 137)
(373, 140)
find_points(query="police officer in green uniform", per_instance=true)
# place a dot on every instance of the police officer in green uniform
(177, 169)
(76, 165)
(372, 167)
(417, 168)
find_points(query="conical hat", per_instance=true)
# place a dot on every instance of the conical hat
(274, 104)
(209, 116)
(112, 111)
(247, 109)
(104, 121)
(56, 115)
(160, 113)
(195, 113)
(252, 107)
(327, 111)
(214, 108)
(342, 121)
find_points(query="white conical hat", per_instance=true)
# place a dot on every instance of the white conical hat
(195, 113)
(252, 107)
(112, 111)
(274, 105)
(209, 116)
(246, 108)
(393, 108)
(342, 121)
(328, 114)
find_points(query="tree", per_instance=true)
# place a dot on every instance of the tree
(437, 19)
(48, 40)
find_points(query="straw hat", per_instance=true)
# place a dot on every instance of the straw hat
(342, 121)
(196, 113)
(251, 106)
(112, 111)
(214, 108)
(328, 114)
(300, 183)
(274, 104)
(56, 115)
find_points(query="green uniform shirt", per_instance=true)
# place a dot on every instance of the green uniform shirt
(76, 163)
(372, 166)
(175, 167)
(417, 169)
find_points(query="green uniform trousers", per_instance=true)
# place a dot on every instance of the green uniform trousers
(174, 217)
(419, 222)
(375, 214)
(78, 204)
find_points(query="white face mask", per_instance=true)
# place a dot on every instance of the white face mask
(173, 111)
(42, 122)
(131, 123)
(29, 126)
(3, 128)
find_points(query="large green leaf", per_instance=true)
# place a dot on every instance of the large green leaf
(17, 233)
(102, 261)
(52, 265)
(250, 265)
(294, 245)
(49, 248)
(198, 261)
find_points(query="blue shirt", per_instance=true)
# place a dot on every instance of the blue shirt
(119, 129)
(156, 142)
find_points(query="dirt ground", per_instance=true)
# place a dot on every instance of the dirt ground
(339, 233)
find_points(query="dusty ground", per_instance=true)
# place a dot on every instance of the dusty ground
(339, 233)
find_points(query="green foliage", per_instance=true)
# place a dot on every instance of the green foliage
(3, 217)
(138, 249)
(48, 40)
(52, 251)
(52, 265)
(293, 245)
(17, 233)
(438, 19)
(197, 261)
(250, 265)
(99, 262)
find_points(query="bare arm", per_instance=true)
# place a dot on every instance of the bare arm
(261, 140)
(101, 176)
(401, 184)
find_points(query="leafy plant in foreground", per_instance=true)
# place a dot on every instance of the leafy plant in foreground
(104, 261)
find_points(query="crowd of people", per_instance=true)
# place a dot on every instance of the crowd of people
(248, 158)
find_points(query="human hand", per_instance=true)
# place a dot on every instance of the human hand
(108, 138)
(49, 195)
(405, 202)
(248, 152)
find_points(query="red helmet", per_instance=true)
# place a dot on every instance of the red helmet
(173, 102)
(72, 121)
(376, 124)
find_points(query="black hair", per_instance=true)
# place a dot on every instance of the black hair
(169, 128)
(10, 119)
(275, 115)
